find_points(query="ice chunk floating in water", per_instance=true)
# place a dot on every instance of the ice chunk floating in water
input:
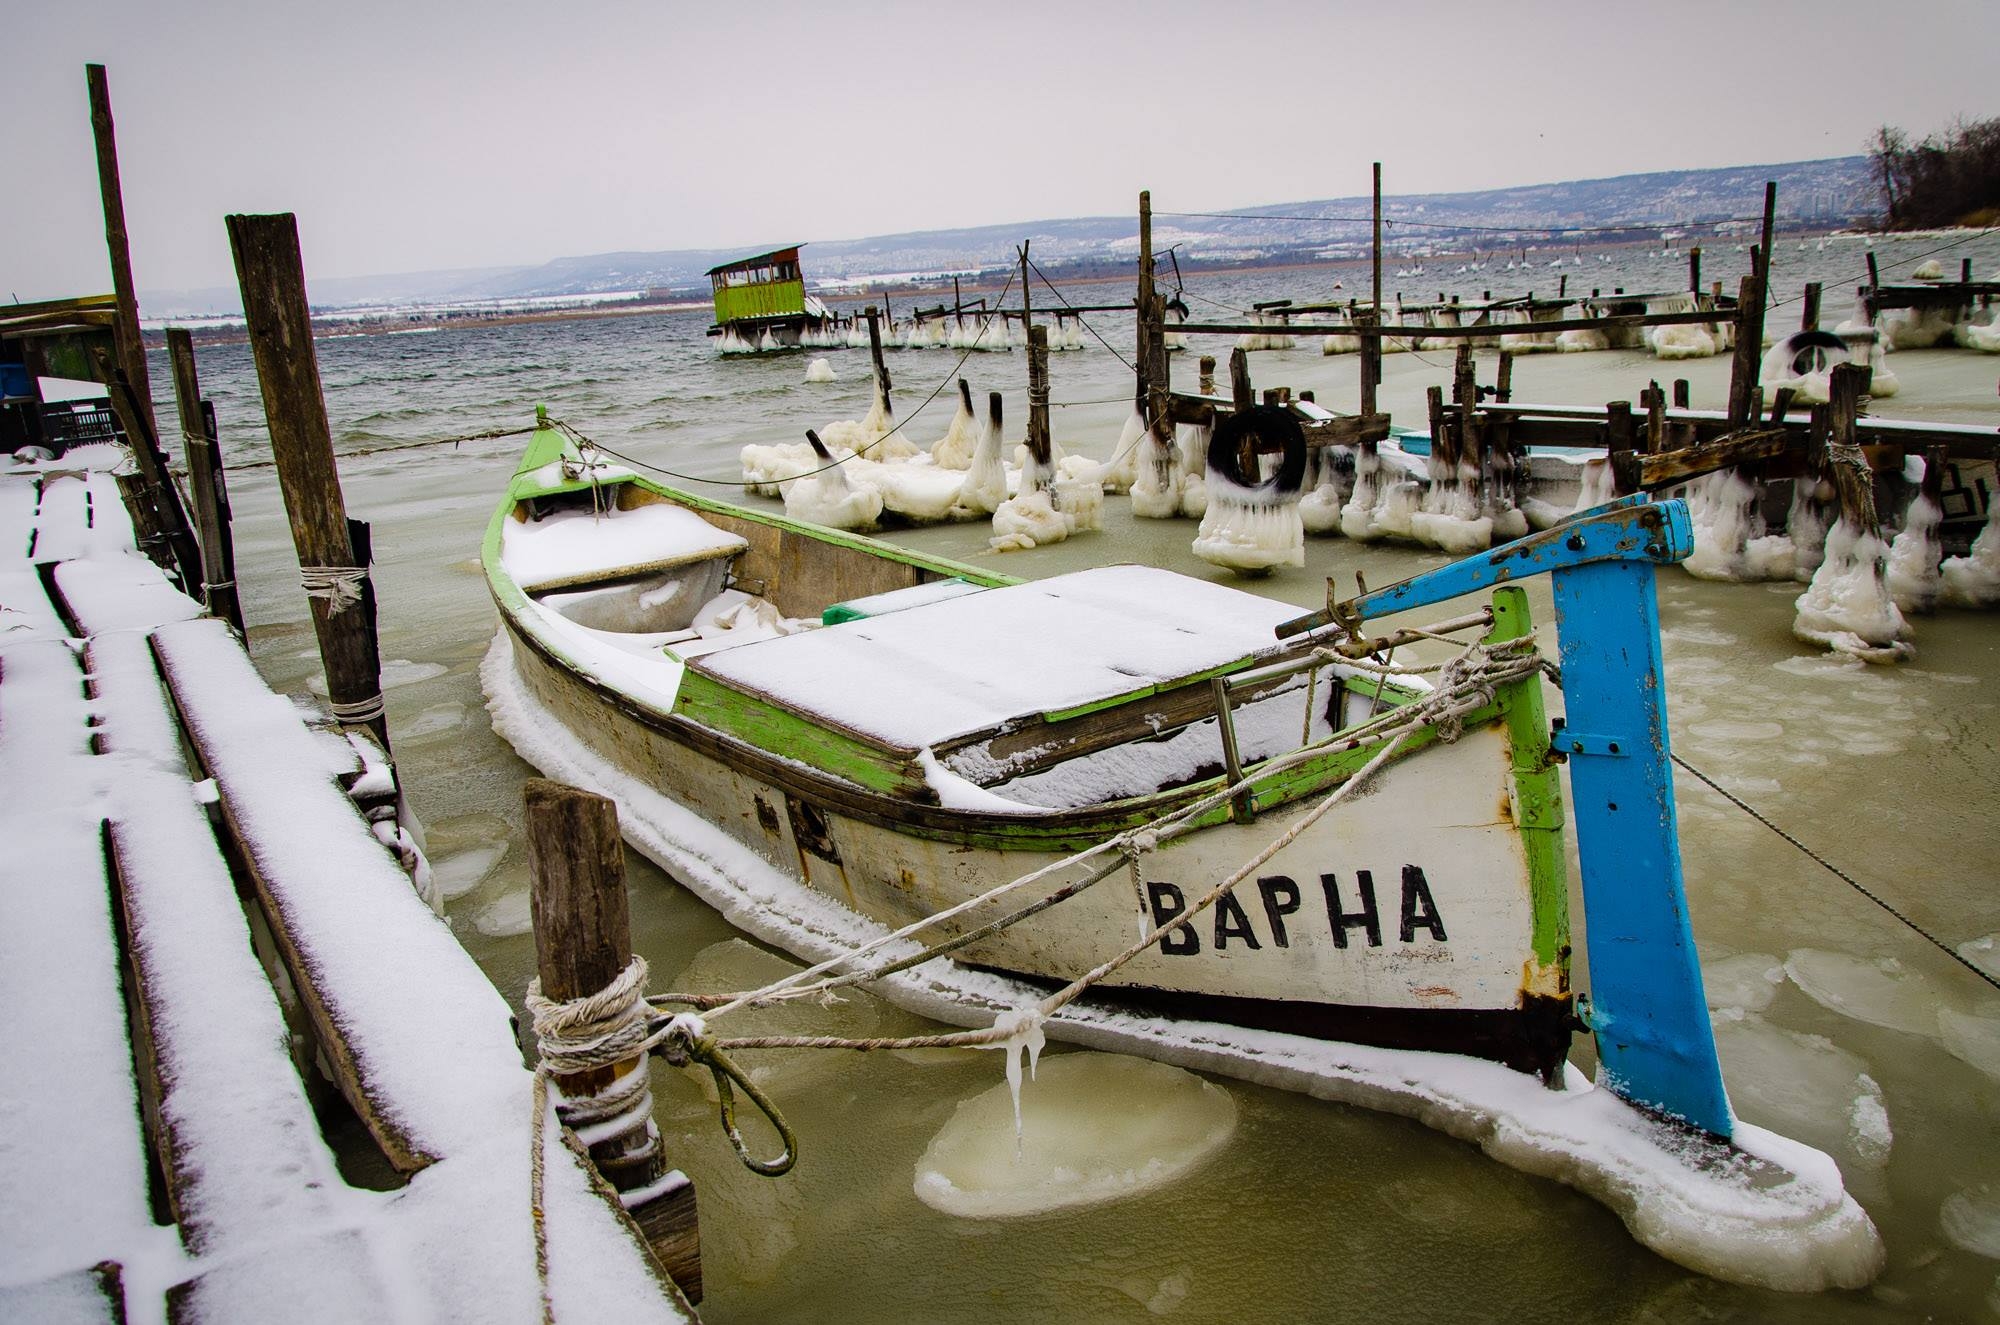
(1878, 990)
(1095, 1127)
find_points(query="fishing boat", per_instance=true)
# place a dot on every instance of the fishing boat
(1265, 848)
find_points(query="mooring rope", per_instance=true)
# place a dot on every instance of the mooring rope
(1837, 872)
(1469, 684)
(338, 586)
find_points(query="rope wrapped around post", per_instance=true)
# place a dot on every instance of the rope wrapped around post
(338, 586)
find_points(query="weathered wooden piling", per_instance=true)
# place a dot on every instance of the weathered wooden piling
(1241, 394)
(130, 347)
(1853, 480)
(205, 481)
(1205, 384)
(875, 351)
(1371, 328)
(1038, 393)
(583, 942)
(272, 276)
(1809, 307)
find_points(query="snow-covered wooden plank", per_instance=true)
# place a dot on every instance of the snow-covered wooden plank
(243, 1153)
(92, 1296)
(424, 1033)
(73, 1186)
(66, 514)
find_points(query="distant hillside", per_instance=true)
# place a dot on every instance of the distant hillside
(1831, 192)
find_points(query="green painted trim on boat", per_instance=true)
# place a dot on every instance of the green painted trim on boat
(768, 726)
(1538, 803)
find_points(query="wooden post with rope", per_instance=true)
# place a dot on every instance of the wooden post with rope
(271, 273)
(583, 943)
(1853, 480)
(1205, 383)
(211, 496)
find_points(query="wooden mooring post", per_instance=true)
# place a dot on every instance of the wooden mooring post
(1853, 480)
(272, 276)
(211, 495)
(875, 353)
(1039, 443)
(583, 942)
(1371, 327)
(131, 349)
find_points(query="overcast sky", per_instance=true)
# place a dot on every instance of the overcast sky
(412, 136)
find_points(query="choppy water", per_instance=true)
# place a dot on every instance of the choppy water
(1309, 1211)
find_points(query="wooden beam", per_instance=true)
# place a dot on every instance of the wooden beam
(1610, 321)
(1241, 394)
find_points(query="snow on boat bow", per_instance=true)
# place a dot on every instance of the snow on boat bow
(831, 739)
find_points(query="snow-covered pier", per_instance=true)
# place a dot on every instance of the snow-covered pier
(217, 971)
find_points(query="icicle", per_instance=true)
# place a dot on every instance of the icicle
(1024, 1041)
(1193, 442)
(1723, 510)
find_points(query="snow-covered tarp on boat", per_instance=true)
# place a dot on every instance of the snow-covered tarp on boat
(1065, 643)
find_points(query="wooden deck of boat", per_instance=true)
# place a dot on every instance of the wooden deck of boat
(177, 946)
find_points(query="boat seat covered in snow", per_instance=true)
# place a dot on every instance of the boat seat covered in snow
(581, 544)
(875, 691)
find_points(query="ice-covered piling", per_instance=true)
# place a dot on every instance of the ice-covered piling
(1156, 491)
(1974, 581)
(1916, 580)
(954, 449)
(1252, 524)
(825, 497)
(1848, 607)
(985, 485)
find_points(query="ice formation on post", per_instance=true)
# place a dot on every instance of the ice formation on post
(1030, 518)
(1847, 607)
(1974, 581)
(1325, 492)
(1192, 439)
(820, 370)
(1581, 341)
(1803, 363)
(1722, 507)
(1156, 492)
(1915, 579)
(985, 485)
(1119, 471)
(1253, 524)
(1449, 516)
(1684, 341)
(954, 449)
(827, 498)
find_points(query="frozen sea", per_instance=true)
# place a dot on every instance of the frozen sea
(1836, 1024)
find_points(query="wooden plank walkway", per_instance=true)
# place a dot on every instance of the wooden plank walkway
(145, 1021)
